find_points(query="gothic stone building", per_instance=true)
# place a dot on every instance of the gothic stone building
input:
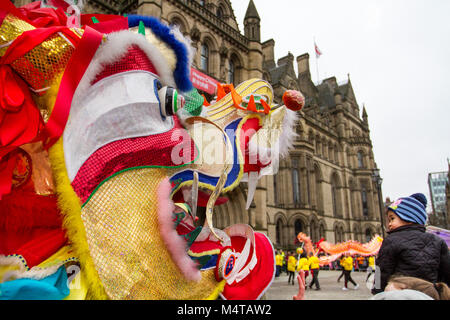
(325, 187)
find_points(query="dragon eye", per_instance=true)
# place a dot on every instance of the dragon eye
(170, 101)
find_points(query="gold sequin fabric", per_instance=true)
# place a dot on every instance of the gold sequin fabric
(10, 29)
(41, 66)
(122, 229)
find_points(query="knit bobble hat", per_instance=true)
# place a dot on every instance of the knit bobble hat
(411, 209)
(420, 197)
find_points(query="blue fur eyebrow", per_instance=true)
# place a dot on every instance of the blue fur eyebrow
(182, 72)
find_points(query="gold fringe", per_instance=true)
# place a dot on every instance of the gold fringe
(70, 206)
(219, 289)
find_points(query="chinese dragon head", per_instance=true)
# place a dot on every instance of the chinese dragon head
(107, 151)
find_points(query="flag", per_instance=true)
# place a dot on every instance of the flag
(318, 52)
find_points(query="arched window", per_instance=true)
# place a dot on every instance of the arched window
(360, 159)
(336, 155)
(178, 23)
(313, 231)
(220, 13)
(204, 58)
(279, 231)
(349, 159)
(364, 203)
(202, 2)
(331, 153)
(322, 231)
(295, 181)
(298, 227)
(231, 71)
(318, 146)
(334, 200)
(368, 234)
(318, 189)
(275, 190)
(339, 234)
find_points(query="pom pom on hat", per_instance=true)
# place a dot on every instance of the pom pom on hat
(420, 197)
(411, 209)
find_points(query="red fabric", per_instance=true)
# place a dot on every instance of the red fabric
(30, 225)
(6, 172)
(20, 122)
(251, 287)
(250, 127)
(108, 23)
(75, 70)
(42, 246)
(20, 119)
(23, 210)
(204, 246)
(44, 17)
(15, 99)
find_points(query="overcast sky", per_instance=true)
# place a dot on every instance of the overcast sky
(397, 54)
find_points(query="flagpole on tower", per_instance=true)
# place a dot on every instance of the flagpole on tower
(318, 54)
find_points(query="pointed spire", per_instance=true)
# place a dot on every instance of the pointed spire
(251, 11)
(364, 113)
(364, 116)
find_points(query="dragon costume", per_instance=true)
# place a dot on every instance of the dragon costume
(107, 152)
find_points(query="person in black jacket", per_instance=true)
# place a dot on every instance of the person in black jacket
(408, 250)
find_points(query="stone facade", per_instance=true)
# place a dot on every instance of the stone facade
(331, 166)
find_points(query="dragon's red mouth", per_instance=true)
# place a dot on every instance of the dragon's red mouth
(203, 197)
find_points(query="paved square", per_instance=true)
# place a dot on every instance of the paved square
(330, 288)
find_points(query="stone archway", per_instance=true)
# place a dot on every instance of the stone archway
(281, 227)
(336, 195)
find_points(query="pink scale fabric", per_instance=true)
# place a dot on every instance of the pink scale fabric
(135, 59)
(154, 150)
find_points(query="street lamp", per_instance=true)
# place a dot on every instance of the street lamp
(378, 180)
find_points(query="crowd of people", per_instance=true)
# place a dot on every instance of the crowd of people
(292, 263)
(411, 263)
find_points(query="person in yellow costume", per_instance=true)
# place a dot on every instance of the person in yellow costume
(314, 266)
(291, 265)
(278, 263)
(303, 264)
(348, 267)
(341, 263)
(371, 267)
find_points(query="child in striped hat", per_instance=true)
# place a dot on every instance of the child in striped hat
(408, 249)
